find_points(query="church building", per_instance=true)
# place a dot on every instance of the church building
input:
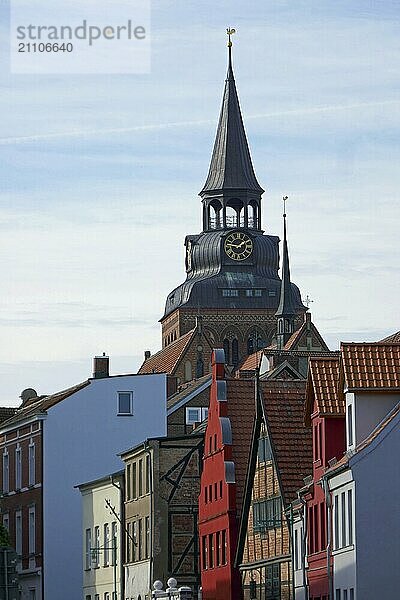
(232, 283)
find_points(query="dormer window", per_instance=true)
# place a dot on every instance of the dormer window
(230, 293)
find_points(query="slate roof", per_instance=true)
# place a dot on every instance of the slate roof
(322, 386)
(370, 366)
(166, 359)
(43, 403)
(241, 412)
(231, 166)
(283, 404)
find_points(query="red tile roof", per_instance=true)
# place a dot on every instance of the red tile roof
(370, 366)
(6, 412)
(291, 440)
(252, 361)
(322, 386)
(241, 412)
(166, 359)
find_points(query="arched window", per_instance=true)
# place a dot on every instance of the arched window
(235, 352)
(199, 368)
(250, 345)
(253, 215)
(214, 214)
(260, 343)
(188, 371)
(227, 351)
(234, 213)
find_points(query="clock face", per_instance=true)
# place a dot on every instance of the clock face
(238, 245)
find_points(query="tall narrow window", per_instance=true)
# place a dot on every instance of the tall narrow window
(134, 484)
(32, 474)
(88, 548)
(235, 352)
(336, 525)
(135, 541)
(6, 473)
(148, 467)
(18, 533)
(128, 482)
(223, 547)
(97, 546)
(211, 550)
(344, 541)
(140, 540)
(32, 531)
(114, 543)
(250, 345)
(350, 424)
(296, 549)
(140, 477)
(147, 542)
(218, 548)
(6, 521)
(18, 468)
(226, 345)
(125, 403)
(106, 545)
(204, 552)
(323, 530)
(350, 515)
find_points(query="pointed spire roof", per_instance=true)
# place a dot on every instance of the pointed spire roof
(287, 303)
(231, 166)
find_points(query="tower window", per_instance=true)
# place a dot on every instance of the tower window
(258, 293)
(249, 293)
(271, 293)
(230, 293)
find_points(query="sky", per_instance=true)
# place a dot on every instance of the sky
(100, 174)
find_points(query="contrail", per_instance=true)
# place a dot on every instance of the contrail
(83, 133)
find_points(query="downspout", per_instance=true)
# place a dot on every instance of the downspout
(304, 545)
(328, 502)
(121, 558)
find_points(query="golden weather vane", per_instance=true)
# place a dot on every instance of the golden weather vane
(229, 33)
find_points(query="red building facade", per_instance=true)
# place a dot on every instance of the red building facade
(230, 418)
(325, 412)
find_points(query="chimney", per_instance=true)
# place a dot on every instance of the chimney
(147, 354)
(101, 366)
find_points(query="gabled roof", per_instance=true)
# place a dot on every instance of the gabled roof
(295, 338)
(322, 388)
(6, 412)
(42, 404)
(241, 412)
(283, 371)
(188, 391)
(370, 366)
(283, 405)
(167, 359)
(231, 167)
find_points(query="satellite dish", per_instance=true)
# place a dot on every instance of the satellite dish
(27, 395)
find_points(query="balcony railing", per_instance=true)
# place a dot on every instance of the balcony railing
(231, 223)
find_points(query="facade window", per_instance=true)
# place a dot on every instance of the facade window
(6, 522)
(338, 595)
(128, 482)
(350, 515)
(250, 345)
(32, 474)
(147, 541)
(188, 371)
(32, 594)
(125, 403)
(128, 544)
(206, 494)
(218, 548)
(267, 514)
(226, 346)
(32, 530)
(107, 544)
(18, 533)
(343, 521)
(140, 476)
(211, 551)
(114, 543)
(258, 293)
(345, 595)
(147, 481)
(235, 352)
(204, 552)
(223, 547)
(220, 489)
(322, 522)
(351, 593)
(106, 596)
(350, 424)
(18, 468)
(97, 546)
(6, 473)
(296, 549)
(230, 293)
(336, 524)
(199, 368)
(249, 293)
(273, 581)
(140, 539)
(88, 548)
(134, 543)
(196, 414)
(134, 484)
(264, 449)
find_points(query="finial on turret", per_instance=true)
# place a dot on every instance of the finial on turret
(284, 205)
(230, 31)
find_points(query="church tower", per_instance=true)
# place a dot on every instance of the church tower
(232, 282)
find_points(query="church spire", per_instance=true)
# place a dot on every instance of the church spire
(231, 173)
(287, 303)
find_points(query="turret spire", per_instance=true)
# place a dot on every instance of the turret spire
(287, 303)
(231, 166)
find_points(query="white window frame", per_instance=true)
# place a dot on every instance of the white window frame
(88, 549)
(96, 562)
(32, 464)
(125, 414)
(106, 561)
(202, 414)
